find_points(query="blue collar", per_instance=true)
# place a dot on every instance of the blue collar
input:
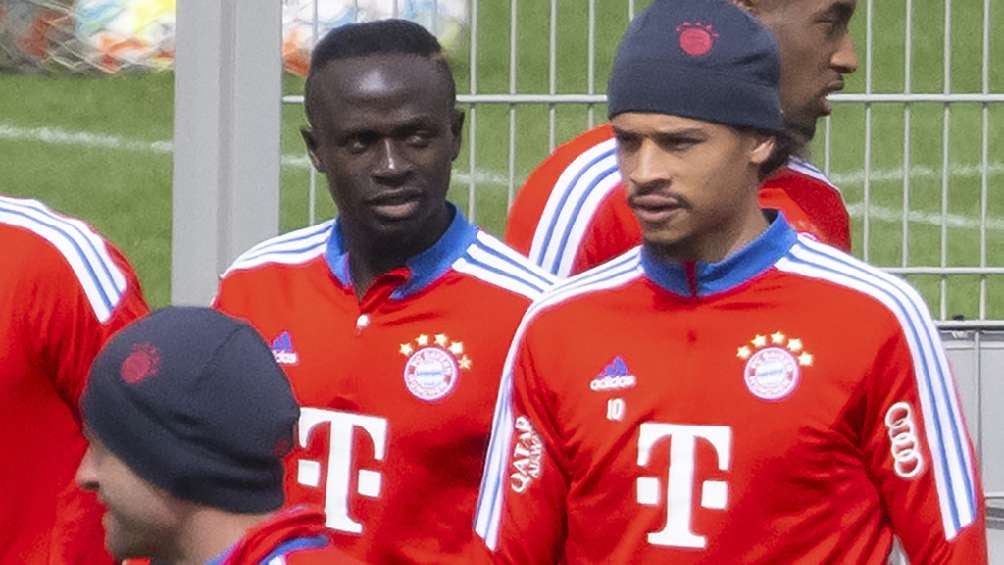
(423, 268)
(283, 549)
(710, 278)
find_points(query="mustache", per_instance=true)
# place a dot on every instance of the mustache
(639, 194)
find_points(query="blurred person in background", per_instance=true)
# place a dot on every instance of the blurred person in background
(188, 418)
(571, 214)
(392, 320)
(64, 290)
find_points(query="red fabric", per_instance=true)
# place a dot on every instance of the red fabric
(49, 334)
(286, 526)
(805, 477)
(810, 202)
(359, 418)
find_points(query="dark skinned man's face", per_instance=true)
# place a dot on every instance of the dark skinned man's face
(816, 53)
(385, 133)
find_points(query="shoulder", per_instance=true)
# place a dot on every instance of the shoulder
(868, 293)
(492, 262)
(571, 162)
(67, 249)
(806, 174)
(610, 276)
(291, 248)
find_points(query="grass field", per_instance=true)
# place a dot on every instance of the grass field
(98, 147)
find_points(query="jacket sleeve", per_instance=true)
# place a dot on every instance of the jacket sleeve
(521, 505)
(70, 329)
(918, 450)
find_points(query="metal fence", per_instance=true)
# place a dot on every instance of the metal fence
(522, 78)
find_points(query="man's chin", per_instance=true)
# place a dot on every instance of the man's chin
(801, 132)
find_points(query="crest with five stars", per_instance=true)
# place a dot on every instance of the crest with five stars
(773, 364)
(434, 365)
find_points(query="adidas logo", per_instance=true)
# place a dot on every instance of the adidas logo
(282, 349)
(613, 377)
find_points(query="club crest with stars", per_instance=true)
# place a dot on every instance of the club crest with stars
(434, 365)
(773, 364)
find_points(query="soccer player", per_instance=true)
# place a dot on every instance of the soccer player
(731, 391)
(188, 417)
(64, 290)
(571, 214)
(393, 320)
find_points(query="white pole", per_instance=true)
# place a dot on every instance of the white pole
(226, 138)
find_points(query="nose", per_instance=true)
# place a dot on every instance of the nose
(392, 163)
(87, 477)
(845, 58)
(645, 166)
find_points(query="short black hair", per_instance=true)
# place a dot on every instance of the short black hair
(382, 37)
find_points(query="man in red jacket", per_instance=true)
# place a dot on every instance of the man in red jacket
(64, 291)
(572, 215)
(731, 391)
(188, 418)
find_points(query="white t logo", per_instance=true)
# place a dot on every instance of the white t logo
(342, 425)
(679, 506)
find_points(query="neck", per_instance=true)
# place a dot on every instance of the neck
(370, 257)
(209, 532)
(720, 243)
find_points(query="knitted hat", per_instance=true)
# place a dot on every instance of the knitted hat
(703, 59)
(193, 402)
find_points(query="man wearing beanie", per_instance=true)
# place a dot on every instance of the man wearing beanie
(188, 418)
(571, 215)
(730, 391)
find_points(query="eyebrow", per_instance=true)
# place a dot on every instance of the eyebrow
(675, 132)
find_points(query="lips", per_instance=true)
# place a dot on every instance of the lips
(655, 208)
(395, 205)
(833, 87)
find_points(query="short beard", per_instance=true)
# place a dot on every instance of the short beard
(800, 135)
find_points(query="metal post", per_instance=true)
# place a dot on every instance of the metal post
(226, 138)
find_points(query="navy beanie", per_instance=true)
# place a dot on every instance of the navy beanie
(193, 402)
(708, 60)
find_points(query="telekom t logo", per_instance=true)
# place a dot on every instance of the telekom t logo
(680, 479)
(342, 426)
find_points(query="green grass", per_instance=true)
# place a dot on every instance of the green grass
(126, 193)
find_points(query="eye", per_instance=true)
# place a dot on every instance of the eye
(678, 144)
(626, 142)
(419, 139)
(358, 143)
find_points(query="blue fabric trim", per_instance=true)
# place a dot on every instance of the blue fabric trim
(296, 545)
(756, 257)
(924, 341)
(430, 264)
(336, 256)
(568, 193)
(62, 228)
(531, 277)
(565, 235)
(424, 268)
(283, 549)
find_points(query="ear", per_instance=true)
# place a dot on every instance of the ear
(762, 148)
(457, 128)
(311, 142)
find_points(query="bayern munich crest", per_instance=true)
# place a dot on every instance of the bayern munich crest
(696, 38)
(434, 365)
(773, 364)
